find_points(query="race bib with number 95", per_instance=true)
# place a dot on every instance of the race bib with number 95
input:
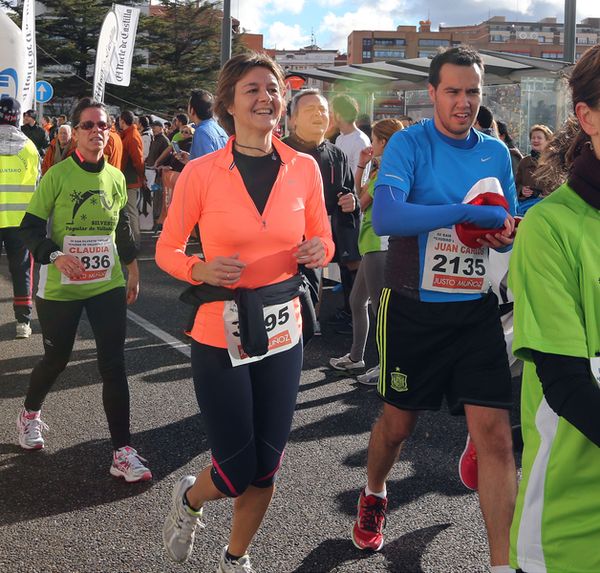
(281, 323)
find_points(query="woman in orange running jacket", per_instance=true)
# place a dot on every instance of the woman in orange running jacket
(260, 209)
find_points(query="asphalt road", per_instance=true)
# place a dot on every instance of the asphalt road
(62, 512)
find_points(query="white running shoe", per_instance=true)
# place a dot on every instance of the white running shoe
(180, 525)
(23, 330)
(127, 464)
(346, 364)
(242, 565)
(30, 426)
(370, 377)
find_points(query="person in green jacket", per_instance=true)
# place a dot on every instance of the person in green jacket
(555, 278)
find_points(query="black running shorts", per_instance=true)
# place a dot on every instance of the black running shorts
(431, 350)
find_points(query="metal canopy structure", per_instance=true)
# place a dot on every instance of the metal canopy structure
(324, 75)
(393, 68)
(360, 74)
(500, 68)
(530, 61)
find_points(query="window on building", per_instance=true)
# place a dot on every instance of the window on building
(433, 42)
(390, 42)
(366, 55)
(367, 42)
(553, 55)
(498, 38)
(425, 53)
(389, 54)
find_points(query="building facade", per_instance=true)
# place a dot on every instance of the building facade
(543, 39)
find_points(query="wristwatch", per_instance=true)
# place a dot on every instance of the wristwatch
(54, 255)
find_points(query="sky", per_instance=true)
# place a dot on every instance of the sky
(288, 24)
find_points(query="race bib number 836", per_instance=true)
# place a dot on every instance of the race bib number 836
(96, 254)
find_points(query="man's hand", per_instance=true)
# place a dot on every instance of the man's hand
(347, 202)
(502, 239)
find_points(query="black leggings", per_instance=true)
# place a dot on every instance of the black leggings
(248, 413)
(107, 313)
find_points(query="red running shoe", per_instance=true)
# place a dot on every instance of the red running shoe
(467, 466)
(370, 521)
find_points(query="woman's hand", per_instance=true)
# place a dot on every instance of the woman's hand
(221, 271)
(133, 282)
(182, 157)
(311, 253)
(366, 154)
(70, 266)
(527, 191)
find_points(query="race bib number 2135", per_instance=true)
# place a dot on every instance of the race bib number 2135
(453, 267)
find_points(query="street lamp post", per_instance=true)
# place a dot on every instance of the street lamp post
(570, 30)
(226, 32)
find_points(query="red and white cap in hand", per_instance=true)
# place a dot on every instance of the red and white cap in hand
(486, 191)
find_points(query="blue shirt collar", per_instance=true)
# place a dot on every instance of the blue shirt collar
(468, 143)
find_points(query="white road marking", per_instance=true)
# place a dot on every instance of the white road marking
(173, 342)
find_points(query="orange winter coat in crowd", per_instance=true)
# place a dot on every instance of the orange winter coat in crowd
(132, 164)
(210, 193)
(114, 149)
(51, 153)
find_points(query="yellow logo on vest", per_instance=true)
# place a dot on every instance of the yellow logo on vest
(399, 381)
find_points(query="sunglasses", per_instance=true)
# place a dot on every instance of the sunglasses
(87, 125)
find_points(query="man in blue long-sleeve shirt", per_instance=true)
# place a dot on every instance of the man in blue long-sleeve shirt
(439, 331)
(209, 135)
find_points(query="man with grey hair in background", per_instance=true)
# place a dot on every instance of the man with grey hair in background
(308, 113)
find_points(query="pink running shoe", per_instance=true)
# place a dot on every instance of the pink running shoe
(30, 426)
(127, 464)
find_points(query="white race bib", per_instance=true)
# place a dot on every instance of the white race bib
(282, 324)
(96, 254)
(453, 267)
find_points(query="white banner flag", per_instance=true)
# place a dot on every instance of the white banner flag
(12, 59)
(28, 31)
(120, 68)
(106, 46)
